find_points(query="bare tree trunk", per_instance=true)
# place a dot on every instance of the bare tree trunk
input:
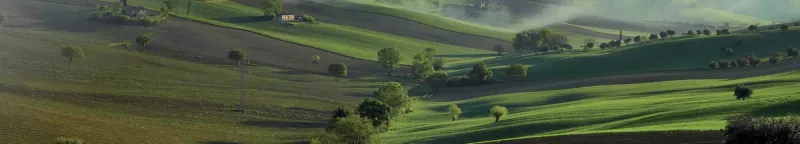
(241, 86)
(454, 118)
(496, 119)
(70, 62)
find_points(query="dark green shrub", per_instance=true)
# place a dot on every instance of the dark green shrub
(309, 19)
(690, 33)
(706, 32)
(741, 92)
(761, 130)
(653, 36)
(743, 62)
(719, 32)
(784, 27)
(480, 73)
(752, 27)
(376, 111)
(663, 34)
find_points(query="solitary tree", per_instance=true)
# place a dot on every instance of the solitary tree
(72, 52)
(422, 67)
(272, 8)
(239, 57)
(517, 71)
(499, 49)
(653, 36)
(671, 33)
(143, 41)
(497, 112)
(375, 111)
(690, 33)
(437, 80)
(784, 27)
(352, 130)
(338, 70)
(628, 40)
(741, 92)
(393, 94)
(752, 27)
(589, 46)
(455, 111)
(480, 73)
(663, 34)
(706, 32)
(315, 59)
(389, 58)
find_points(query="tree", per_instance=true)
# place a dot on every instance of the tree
(775, 60)
(309, 18)
(65, 140)
(455, 111)
(719, 32)
(728, 52)
(663, 34)
(394, 95)
(315, 59)
(707, 32)
(437, 80)
(603, 46)
(422, 67)
(169, 4)
(589, 46)
(742, 62)
(2, 19)
(690, 33)
(499, 49)
(628, 40)
(430, 53)
(516, 71)
(352, 130)
(713, 65)
(239, 57)
(376, 112)
(338, 70)
(752, 28)
(637, 39)
(784, 27)
(389, 58)
(144, 40)
(671, 33)
(498, 111)
(741, 92)
(72, 52)
(480, 73)
(792, 52)
(438, 64)
(272, 8)
(653, 36)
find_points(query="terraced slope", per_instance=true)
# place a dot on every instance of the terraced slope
(384, 23)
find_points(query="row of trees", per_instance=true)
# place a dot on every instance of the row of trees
(752, 60)
(542, 41)
(371, 117)
(496, 112)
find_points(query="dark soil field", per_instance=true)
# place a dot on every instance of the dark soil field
(182, 37)
(383, 23)
(667, 137)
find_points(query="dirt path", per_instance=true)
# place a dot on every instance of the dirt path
(666, 137)
(383, 23)
(460, 93)
(180, 36)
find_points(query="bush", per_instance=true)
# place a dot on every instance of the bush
(719, 32)
(713, 65)
(65, 140)
(309, 18)
(750, 130)
(653, 36)
(743, 62)
(752, 27)
(775, 60)
(784, 27)
(792, 52)
(315, 59)
(376, 111)
(498, 111)
(723, 64)
(741, 92)
(355, 130)
(455, 111)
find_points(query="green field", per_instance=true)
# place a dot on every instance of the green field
(345, 40)
(701, 104)
(669, 54)
(611, 31)
(427, 19)
(121, 96)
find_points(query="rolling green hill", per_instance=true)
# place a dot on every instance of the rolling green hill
(345, 40)
(700, 104)
(669, 54)
(121, 96)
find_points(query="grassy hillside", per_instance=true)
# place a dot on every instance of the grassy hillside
(427, 19)
(349, 41)
(672, 105)
(119, 96)
(611, 31)
(674, 53)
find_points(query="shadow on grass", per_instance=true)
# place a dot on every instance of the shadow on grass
(283, 124)
(478, 109)
(247, 19)
(466, 55)
(792, 107)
